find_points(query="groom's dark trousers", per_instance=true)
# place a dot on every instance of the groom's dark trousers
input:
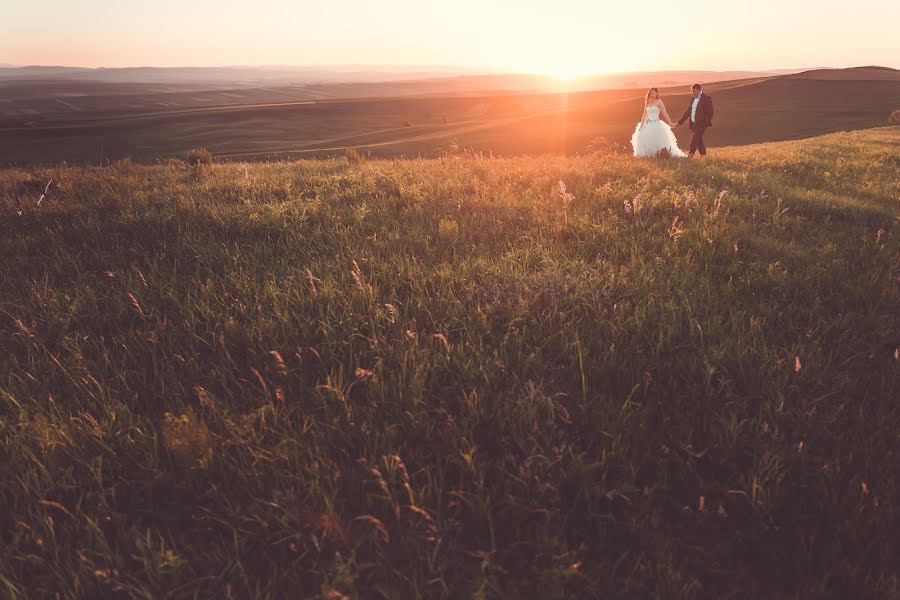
(697, 139)
(702, 121)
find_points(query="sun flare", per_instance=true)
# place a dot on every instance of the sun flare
(566, 74)
(563, 72)
(564, 63)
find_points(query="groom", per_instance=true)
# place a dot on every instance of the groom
(700, 112)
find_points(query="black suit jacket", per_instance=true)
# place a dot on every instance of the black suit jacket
(704, 113)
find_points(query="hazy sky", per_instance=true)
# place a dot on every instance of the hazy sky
(553, 36)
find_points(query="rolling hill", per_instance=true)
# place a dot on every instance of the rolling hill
(450, 78)
(748, 111)
(852, 74)
(44, 95)
(532, 377)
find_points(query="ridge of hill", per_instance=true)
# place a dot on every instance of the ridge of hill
(870, 73)
(449, 78)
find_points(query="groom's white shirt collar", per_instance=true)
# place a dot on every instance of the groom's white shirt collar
(694, 107)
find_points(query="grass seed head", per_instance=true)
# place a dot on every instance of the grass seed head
(565, 196)
(279, 362)
(357, 275)
(637, 204)
(677, 229)
(364, 374)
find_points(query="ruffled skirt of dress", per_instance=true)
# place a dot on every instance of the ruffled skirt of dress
(655, 137)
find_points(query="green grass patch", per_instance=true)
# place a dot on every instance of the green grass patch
(454, 378)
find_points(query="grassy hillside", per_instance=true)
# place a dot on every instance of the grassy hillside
(750, 111)
(453, 378)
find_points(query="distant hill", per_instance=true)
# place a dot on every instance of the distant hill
(230, 75)
(73, 121)
(668, 78)
(852, 74)
(52, 94)
(39, 72)
(412, 78)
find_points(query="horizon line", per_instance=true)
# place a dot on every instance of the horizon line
(415, 67)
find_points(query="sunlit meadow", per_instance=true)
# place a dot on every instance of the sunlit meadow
(465, 377)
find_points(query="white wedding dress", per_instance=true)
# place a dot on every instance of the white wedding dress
(654, 137)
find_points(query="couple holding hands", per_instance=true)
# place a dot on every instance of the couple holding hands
(654, 135)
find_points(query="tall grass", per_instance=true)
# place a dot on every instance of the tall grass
(459, 378)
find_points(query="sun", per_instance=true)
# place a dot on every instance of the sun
(562, 53)
(564, 77)
(564, 70)
(567, 74)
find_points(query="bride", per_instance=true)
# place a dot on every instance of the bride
(654, 135)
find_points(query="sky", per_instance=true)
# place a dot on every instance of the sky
(556, 37)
